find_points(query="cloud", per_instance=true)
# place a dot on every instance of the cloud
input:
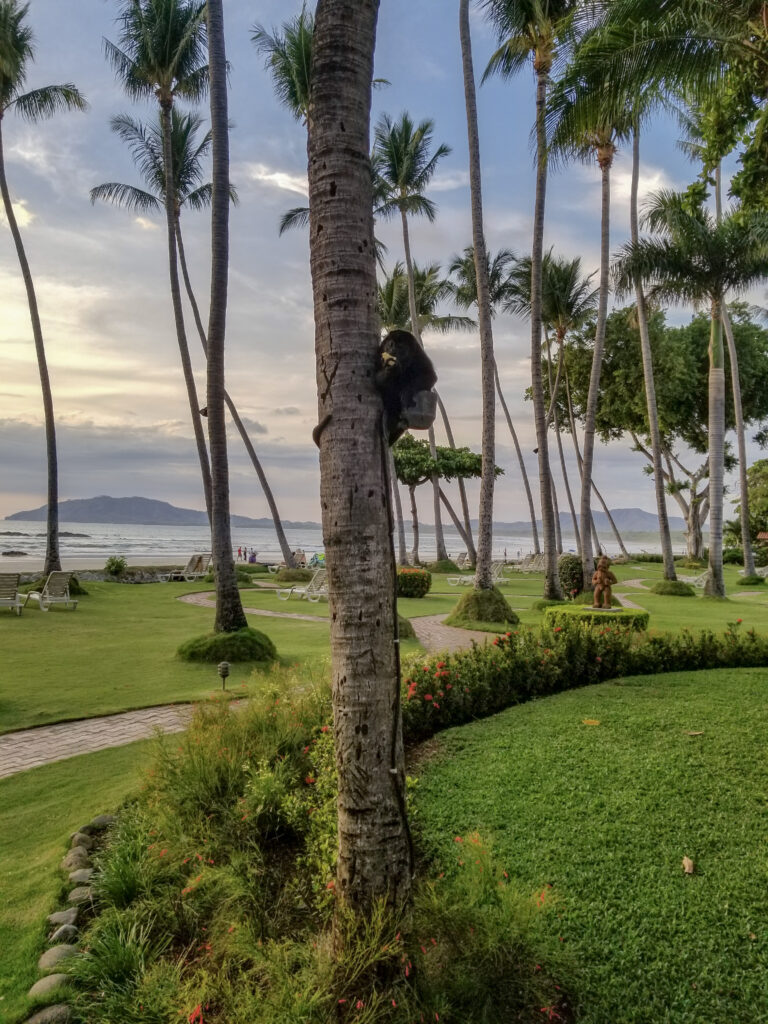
(264, 175)
(449, 180)
(145, 224)
(287, 410)
(253, 426)
(24, 217)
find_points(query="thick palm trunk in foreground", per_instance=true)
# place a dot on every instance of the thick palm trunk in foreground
(374, 849)
(229, 609)
(52, 559)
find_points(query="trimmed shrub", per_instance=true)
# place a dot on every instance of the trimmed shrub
(546, 602)
(760, 555)
(482, 606)
(444, 565)
(646, 556)
(752, 581)
(673, 588)
(115, 566)
(404, 628)
(571, 575)
(733, 556)
(627, 617)
(588, 597)
(245, 645)
(294, 575)
(690, 563)
(413, 582)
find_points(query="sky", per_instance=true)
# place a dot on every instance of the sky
(102, 278)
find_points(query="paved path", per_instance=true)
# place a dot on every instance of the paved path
(626, 603)
(434, 636)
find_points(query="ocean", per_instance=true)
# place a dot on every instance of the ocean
(161, 545)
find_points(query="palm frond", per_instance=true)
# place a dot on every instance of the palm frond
(127, 196)
(298, 217)
(47, 101)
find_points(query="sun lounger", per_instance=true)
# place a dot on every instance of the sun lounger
(497, 576)
(9, 591)
(55, 591)
(313, 591)
(299, 562)
(696, 581)
(195, 569)
(761, 570)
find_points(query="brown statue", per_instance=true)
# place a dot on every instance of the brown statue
(603, 580)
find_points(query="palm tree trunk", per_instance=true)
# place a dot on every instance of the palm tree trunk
(558, 529)
(569, 495)
(415, 527)
(255, 461)
(375, 854)
(648, 377)
(52, 558)
(454, 518)
(733, 356)
(402, 553)
(594, 377)
(178, 314)
(483, 579)
(552, 581)
(579, 462)
(229, 609)
(471, 552)
(553, 392)
(611, 521)
(715, 586)
(442, 552)
(521, 462)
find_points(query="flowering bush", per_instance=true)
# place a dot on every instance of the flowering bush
(413, 582)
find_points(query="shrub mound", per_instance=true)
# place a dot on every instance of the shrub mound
(245, 645)
(444, 565)
(690, 563)
(733, 556)
(673, 588)
(752, 581)
(294, 576)
(482, 606)
(404, 628)
(587, 597)
(76, 588)
(116, 566)
(645, 556)
(571, 575)
(627, 617)
(413, 582)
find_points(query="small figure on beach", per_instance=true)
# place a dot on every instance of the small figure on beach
(239, 554)
(603, 579)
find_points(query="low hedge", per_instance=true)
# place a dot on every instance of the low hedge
(294, 575)
(673, 588)
(443, 566)
(244, 645)
(646, 556)
(627, 617)
(441, 692)
(750, 581)
(413, 582)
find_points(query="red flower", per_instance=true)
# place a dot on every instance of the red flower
(412, 686)
(427, 696)
(196, 1015)
(309, 780)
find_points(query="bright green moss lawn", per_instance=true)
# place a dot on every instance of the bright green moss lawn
(605, 813)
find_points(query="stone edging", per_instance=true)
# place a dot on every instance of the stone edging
(63, 939)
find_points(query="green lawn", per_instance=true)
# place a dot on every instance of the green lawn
(605, 813)
(39, 809)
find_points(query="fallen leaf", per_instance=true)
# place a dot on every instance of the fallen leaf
(752, 936)
(695, 733)
(687, 865)
(590, 721)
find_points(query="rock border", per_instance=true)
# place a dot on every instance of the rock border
(63, 939)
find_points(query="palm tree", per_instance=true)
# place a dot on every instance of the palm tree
(393, 305)
(695, 258)
(162, 53)
(465, 295)
(534, 30)
(403, 166)
(146, 144)
(17, 53)
(375, 855)
(288, 57)
(229, 609)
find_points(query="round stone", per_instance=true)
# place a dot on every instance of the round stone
(76, 858)
(46, 985)
(53, 957)
(82, 894)
(59, 1013)
(102, 821)
(64, 933)
(81, 876)
(68, 916)
(81, 839)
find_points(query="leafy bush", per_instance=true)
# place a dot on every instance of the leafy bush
(646, 556)
(253, 568)
(627, 617)
(294, 575)
(245, 645)
(752, 581)
(482, 606)
(588, 598)
(760, 555)
(690, 563)
(76, 588)
(571, 574)
(413, 582)
(673, 588)
(444, 565)
(404, 628)
(115, 565)
(733, 556)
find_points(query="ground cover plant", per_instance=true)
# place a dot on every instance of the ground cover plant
(609, 787)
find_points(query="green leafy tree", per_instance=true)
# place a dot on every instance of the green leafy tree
(16, 54)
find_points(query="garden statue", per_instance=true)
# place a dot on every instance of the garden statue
(603, 580)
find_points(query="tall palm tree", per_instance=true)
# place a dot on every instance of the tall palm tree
(375, 860)
(162, 53)
(465, 295)
(17, 51)
(393, 304)
(534, 30)
(229, 609)
(288, 57)
(403, 166)
(694, 258)
(146, 145)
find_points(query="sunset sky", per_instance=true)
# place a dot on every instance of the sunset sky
(102, 279)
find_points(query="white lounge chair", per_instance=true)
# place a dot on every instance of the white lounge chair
(55, 591)
(195, 569)
(696, 581)
(313, 591)
(9, 591)
(497, 576)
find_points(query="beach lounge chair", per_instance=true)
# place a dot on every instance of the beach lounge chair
(696, 581)
(55, 591)
(195, 569)
(497, 576)
(299, 561)
(460, 561)
(9, 591)
(313, 591)
(522, 565)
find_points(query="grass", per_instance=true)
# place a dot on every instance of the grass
(605, 813)
(39, 809)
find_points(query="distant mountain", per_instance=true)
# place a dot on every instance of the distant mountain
(628, 520)
(138, 512)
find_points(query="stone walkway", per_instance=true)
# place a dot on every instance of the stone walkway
(32, 748)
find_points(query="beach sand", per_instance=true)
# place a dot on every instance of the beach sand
(28, 564)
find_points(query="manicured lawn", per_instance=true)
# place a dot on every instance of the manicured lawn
(605, 813)
(439, 601)
(39, 810)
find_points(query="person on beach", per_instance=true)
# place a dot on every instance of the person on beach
(239, 554)
(603, 579)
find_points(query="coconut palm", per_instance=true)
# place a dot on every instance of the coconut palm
(288, 57)
(162, 53)
(465, 296)
(393, 305)
(191, 191)
(534, 31)
(403, 165)
(17, 53)
(694, 258)
(374, 853)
